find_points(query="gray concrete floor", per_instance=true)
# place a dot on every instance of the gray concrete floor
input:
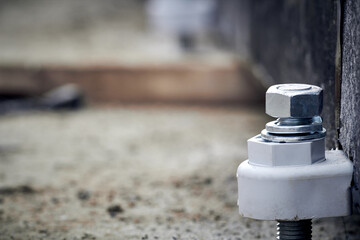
(132, 173)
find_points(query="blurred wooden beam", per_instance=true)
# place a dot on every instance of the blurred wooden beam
(146, 83)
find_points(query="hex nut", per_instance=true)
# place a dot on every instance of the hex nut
(294, 101)
(265, 153)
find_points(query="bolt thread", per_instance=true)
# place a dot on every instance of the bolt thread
(294, 230)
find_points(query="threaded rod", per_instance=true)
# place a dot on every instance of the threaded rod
(294, 230)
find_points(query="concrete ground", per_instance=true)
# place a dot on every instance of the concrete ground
(132, 173)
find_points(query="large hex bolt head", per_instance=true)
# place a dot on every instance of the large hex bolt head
(294, 101)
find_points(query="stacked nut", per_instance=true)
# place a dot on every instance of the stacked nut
(298, 108)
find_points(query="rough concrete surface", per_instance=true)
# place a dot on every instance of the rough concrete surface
(132, 173)
(350, 88)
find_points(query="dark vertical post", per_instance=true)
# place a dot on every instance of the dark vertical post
(350, 91)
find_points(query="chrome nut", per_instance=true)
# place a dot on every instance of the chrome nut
(294, 101)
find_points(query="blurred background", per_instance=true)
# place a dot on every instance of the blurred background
(127, 119)
(123, 51)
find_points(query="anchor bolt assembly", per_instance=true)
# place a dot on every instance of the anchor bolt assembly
(289, 177)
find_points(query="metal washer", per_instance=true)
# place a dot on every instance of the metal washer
(291, 137)
(274, 127)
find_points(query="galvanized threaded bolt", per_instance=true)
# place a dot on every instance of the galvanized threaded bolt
(297, 107)
(294, 230)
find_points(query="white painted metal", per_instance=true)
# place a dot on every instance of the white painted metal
(295, 192)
